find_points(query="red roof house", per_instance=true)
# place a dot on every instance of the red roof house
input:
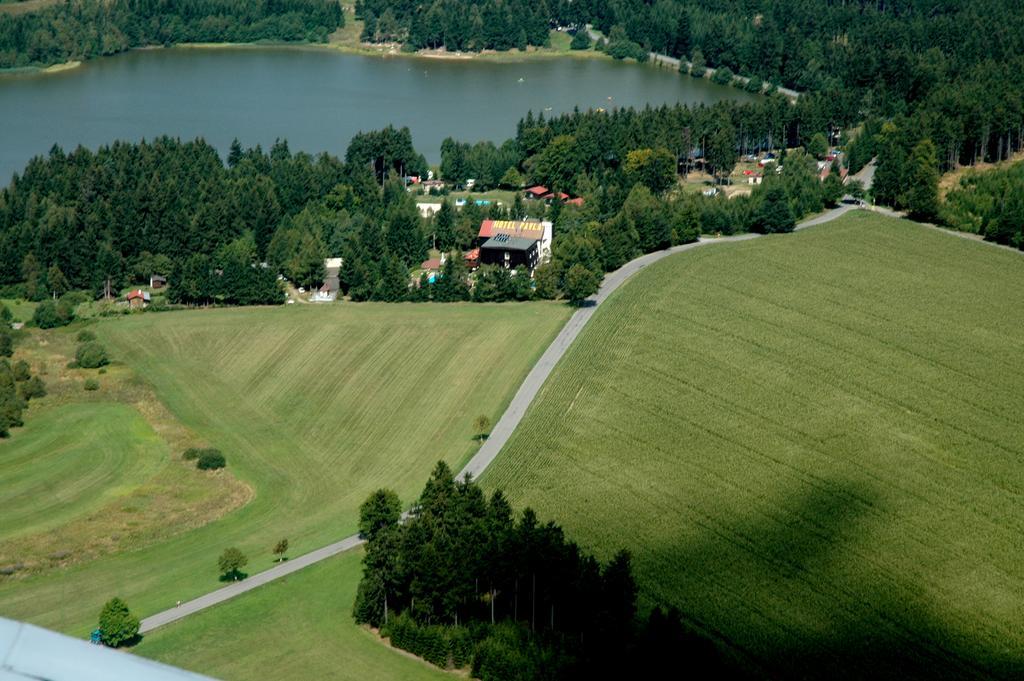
(537, 192)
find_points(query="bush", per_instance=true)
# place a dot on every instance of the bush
(32, 388)
(49, 315)
(192, 453)
(117, 624)
(92, 384)
(91, 355)
(21, 371)
(210, 459)
(723, 75)
(580, 41)
(6, 343)
(85, 335)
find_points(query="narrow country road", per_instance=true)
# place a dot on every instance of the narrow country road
(499, 435)
(673, 63)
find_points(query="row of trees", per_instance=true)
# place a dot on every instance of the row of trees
(466, 580)
(17, 384)
(81, 29)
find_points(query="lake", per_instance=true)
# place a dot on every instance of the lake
(317, 99)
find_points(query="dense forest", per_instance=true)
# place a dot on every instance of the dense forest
(456, 24)
(81, 29)
(467, 582)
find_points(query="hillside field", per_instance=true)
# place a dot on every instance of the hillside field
(313, 406)
(812, 445)
(299, 627)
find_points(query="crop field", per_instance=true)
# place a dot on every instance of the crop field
(812, 445)
(299, 627)
(313, 406)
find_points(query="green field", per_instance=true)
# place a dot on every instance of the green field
(299, 627)
(71, 461)
(812, 443)
(21, 310)
(313, 406)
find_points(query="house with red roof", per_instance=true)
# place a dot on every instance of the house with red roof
(137, 299)
(537, 192)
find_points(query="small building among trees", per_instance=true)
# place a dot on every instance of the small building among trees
(138, 299)
(157, 281)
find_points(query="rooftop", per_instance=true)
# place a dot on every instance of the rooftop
(520, 228)
(505, 242)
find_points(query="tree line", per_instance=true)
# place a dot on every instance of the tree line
(17, 384)
(457, 25)
(466, 581)
(82, 29)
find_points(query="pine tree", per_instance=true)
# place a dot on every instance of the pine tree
(774, 214)
(117, 624)
(922, 193)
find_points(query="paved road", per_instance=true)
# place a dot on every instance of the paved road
(499, 434)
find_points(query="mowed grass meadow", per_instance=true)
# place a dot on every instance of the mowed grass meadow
(812, 444)
(313, 406)
(299, 627)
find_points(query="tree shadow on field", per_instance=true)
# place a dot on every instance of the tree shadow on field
(233, 576)
(790, 597)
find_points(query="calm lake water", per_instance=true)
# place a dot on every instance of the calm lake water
(314, 98)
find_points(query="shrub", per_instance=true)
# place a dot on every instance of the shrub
(92, 384)
(210, 459)
(723, 75)
(32, 388)
(21, 370)
(91, 355)
(85, 335)
(49, 315)
(191, 454)
(117, 624)
(6, 343)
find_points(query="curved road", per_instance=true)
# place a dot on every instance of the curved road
(499, 435)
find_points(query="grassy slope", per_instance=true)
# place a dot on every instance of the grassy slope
(70, 461)
(297, 628)
(811, 443)
(21, 310)
(314, 406)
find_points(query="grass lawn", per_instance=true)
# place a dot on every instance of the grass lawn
(313, 406)
(299, 627)
(70, 461)
(812, 443)
(21, 310)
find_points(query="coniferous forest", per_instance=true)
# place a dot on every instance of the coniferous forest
(466, 581)
(82, 29)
